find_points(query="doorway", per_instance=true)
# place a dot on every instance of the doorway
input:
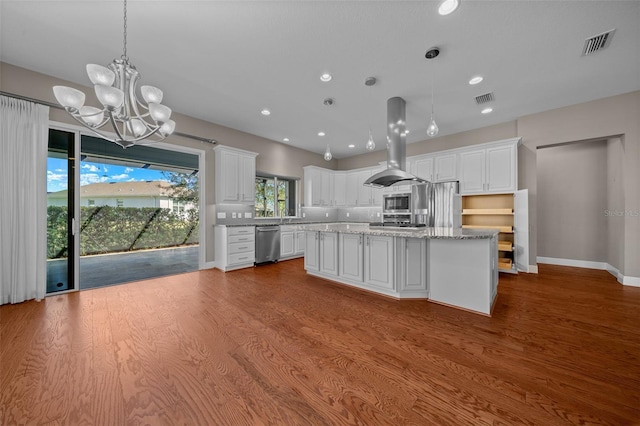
(139, 213)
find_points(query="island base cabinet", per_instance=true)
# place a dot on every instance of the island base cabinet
(329, 253)
(463, 273)
(351, 257)
(379, 255)
(312, 251)
(411, 258)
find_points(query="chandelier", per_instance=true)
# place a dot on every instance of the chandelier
(131, 119)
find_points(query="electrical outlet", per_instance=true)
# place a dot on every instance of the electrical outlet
(378, 214)
(222, 215)
(233, 215)
(247, 215)
(304, 215)
(326, 214)
(347, 214)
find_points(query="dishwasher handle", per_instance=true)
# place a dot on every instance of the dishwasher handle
(269, 229)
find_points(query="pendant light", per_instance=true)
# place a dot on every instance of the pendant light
(432, 128)
(370, 145)
(131, 119)
(327, 154)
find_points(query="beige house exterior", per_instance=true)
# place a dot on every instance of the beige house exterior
(124, 194)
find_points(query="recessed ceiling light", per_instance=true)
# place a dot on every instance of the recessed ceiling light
(475, 80)
(321, 133)
(285, 140)
(352, 146)
(265, 112)
(487, 110)
(448, 6)
(326, 77)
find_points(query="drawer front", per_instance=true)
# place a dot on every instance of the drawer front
(241, 230)
(248, 257)
(242, 247)
(242, 238)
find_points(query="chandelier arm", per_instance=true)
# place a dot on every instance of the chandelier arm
(115, 125)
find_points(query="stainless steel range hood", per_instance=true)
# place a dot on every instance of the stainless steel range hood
(396, 148)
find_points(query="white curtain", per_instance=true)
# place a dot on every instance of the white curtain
(24, 133)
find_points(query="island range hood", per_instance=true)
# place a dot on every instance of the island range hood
(396, 148)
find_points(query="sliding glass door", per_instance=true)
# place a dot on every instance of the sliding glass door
(60, 211)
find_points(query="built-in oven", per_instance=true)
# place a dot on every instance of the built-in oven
(396, 203)
(396, 209)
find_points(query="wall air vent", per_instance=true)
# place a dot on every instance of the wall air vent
(483, 99)
(597, 42)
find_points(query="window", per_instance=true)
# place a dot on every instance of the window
(275, 196)
(92, 203)
(119, 202)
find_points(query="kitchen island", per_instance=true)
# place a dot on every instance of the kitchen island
(451, 266)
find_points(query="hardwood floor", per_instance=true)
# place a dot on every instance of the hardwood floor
(271, 345)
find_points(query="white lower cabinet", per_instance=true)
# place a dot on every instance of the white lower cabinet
(378, 261)
(329, 253)
(351, 256)
(287, 248)
(299, 239)
(312, 251)
(291, 242)
(412, 266)
(235, 247)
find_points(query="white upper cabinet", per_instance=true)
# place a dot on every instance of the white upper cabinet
(501, 169)
(235, 175)
(339, 189)
(423, 168)
(472, 171)
(352, 189)
(445, 167)
(491, 169)
(318, 187)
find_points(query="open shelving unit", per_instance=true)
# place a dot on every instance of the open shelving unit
(493, 211)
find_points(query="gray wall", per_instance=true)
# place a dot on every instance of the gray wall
(606, 118)
(572, 199)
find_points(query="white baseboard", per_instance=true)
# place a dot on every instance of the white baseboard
(533, 269)
(572, 262)
(630, 281)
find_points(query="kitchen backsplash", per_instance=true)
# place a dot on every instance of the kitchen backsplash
(224, 215)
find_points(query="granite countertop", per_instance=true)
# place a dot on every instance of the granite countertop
(301, 222)
(430, 233)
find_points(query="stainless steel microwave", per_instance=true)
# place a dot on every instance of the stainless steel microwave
(396, 203)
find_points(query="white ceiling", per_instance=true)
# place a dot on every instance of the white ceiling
(224, 61)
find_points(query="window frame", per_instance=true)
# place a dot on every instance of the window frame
(289, 200)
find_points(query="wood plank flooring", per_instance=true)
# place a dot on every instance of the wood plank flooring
(273, 346)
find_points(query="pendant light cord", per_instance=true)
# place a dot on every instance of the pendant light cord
(432, 94)
(124, 44)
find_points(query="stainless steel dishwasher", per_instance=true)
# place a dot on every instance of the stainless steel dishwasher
(267, 244)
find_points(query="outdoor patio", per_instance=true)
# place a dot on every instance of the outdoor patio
(118, 268)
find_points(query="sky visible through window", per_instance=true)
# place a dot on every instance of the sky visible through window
(96, 172)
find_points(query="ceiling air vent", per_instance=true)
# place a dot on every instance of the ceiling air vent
(597, 42)
(483, 99)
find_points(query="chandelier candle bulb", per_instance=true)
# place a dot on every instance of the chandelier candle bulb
(137, 126)
(111, 97)
(92, 115)
(69, 97)
(151, 94)
(159, 112)
(100, 75)
(168, 127)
